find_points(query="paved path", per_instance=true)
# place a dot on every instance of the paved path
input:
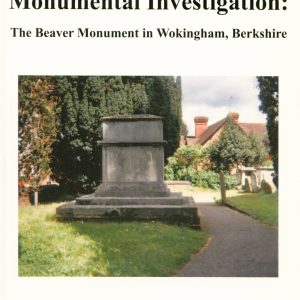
(239, 246)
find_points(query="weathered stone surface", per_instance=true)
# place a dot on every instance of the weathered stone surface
(144, 163)
(184, 214)
(124, 129)
(243, 173)
(132, 171)
(248, 187)
(254, 183)
(132, 189)
(267, 187)
(173, 199)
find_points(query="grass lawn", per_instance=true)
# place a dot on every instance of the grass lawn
(51, 248)
(261, 206)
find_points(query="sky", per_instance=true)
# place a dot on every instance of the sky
(215, 97)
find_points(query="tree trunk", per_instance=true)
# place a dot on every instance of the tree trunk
(222, 186)
(36, 198)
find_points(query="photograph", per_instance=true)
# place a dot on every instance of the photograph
(148, 176)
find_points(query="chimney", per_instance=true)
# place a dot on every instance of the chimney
(234, 116)
(200, 125)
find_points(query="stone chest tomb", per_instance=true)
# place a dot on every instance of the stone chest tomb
(132, 185)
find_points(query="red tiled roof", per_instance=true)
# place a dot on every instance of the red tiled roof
(206, 135)
(210, 131)
(258, 128)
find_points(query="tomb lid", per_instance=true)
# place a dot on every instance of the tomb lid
(247, 169)
(132, 129)
(131, 118)
(265, 168)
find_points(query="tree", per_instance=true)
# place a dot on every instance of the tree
(183, 129)
(232, 149)
(259, 151)
(77, 155)
(164, 94)
(64, 164)
(116, 97)
(137, 98)
(37, 131)
(235, 147)
(268, 95)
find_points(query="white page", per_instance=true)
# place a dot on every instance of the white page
(152, 56)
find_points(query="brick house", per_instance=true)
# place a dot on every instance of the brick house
(205, 135)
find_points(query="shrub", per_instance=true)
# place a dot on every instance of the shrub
(190, 163)
(211, 179)
(201, 178)
(267, 163)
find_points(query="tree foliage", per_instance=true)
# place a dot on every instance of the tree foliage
(183, 129)
(77, 156)
(236, 148)
(185, 158)
(165, 100)
(269, 96)
(37, 129)
(190, 155)
(85, 100)
(258, 150)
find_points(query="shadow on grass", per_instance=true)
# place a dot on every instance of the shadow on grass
(141, 248)
(51, 193)
(51, 248)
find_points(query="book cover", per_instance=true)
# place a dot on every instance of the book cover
(217, 48)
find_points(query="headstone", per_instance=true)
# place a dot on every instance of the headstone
(254, 184)
(242, 173)
(248, 187)
(267, 187)
(132, 185)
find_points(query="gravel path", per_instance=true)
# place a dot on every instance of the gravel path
(239, 246)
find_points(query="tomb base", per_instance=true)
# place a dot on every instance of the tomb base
(173, 209)
(132, 187)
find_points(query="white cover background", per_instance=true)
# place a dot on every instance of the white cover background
(61, 56)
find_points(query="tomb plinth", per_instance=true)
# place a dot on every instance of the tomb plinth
(132, 185)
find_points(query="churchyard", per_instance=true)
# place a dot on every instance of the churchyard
(131, 221)
(51, 248)
(135, 223)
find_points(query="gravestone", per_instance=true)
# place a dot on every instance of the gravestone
(266, 187)
(132, 185)
(254, 183)
(243, 172)
(248, 187)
